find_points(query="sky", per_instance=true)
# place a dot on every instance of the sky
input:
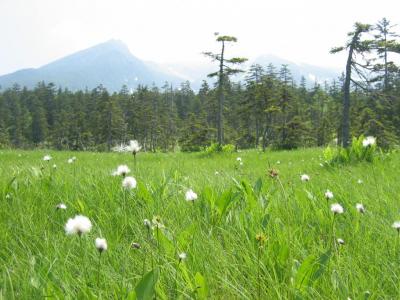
(36, 32)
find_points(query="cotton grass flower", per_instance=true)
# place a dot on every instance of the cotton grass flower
(368, 141)
(129, 183)
(54, 166)
(396, 225)
(340, 241)
(47, 158)
(133, 147)
(190, 195)
(359, 181)
(360, 208)
(238, 159)
(61, 206)
(305, 177)
(147, 223)
(182, 256)
(336, 208)
(122, 170)
(328, 195)
(101, 245)
(78, 225)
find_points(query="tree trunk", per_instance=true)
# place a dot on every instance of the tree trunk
(346, 99)
(221, 98)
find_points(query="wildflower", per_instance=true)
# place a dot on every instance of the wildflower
(359, 181)
(305, 177)
(261, 238)
(369, 141)
(122, 170)
(190, 195)
(340, 241)
(157, 223)
(8, 196)
(54, 166)
(328, 195)
(133, 147)
(47, 158)
(360, 208)
(78, 225)
(216, 173)
(239, 159)
(147, 223)
(61, 206)
(129, 183)
(101, 244)
(278, 162)
(182, 256)
(336, 208)
(396, 225)
(135, 245)
(273, 173)
(70, 161)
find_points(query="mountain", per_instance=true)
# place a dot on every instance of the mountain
(109, 63)
(311, 73)
(112, 65)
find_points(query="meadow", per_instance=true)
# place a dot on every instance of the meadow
(248, 235)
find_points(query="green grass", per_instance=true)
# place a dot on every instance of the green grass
(218, 231)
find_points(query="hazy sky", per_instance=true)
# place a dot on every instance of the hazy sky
(35, 32)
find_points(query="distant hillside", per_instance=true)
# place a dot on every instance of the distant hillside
(109, 63)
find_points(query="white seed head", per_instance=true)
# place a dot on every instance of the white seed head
(78, 225)
(101, 244)
(239, 159)
(340, 241)
(61, 206)
(133, 147)
(359, 181)
(54, 166)
(305, 177)
(369, 141)
(147, 223)
(396, 225)
(360, 208)
(129, 183)
(182, 256)
(122, 170)
(47, 158)
(70, 160)
(328, 195)
(336, 208)
(190, 195)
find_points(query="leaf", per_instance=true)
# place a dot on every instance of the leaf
(145, 289)
(80, 206)
(258, 186)
(201, 286)
(311, 269)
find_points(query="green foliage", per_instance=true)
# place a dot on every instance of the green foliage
(357, 152)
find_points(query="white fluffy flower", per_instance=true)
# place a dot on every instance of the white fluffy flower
(216, 173)
(147, 223)
(122, 170)
(133, 147)
(190, 195)
(129, 183)
(78, 225)
(61, 206)
(70, 160)
(47, 158)
(340, 241)
(101, 244)
(328, 194)
(359, 181)
(239, 159)
(182, 256)
(119, 148)
(360, 208)
(336, 208)
(396, 225)
(305, 177)
(54, 166)
(369, 141)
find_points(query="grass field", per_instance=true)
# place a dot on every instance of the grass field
(299, 258)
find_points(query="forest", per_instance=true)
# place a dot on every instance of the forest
(266, 109)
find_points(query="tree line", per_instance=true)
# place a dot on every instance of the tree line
(267, 109)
